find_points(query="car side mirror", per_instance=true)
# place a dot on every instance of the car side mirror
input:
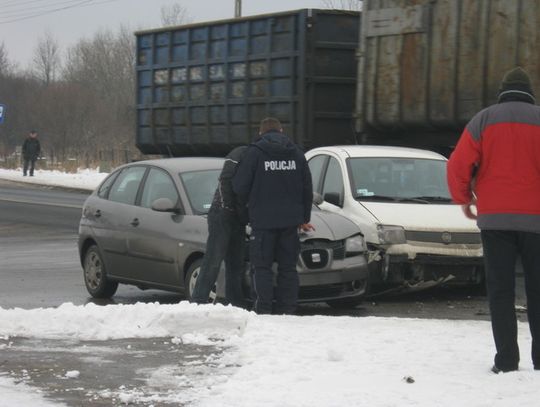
(317, 198)
(334, 198)
(164, 205)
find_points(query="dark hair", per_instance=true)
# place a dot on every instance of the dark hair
(268, 124)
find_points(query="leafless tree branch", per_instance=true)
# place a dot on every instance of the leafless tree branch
(174, 14)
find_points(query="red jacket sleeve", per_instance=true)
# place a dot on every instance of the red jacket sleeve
(460, 168)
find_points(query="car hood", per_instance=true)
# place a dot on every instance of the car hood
(421, 216)
(330, 226)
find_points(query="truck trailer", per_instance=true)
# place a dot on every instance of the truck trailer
(402, 72)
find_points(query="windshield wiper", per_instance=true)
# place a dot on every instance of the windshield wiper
(416, 199)
(433, 198)
(375, 198)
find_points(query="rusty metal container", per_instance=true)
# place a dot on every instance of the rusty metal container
(427, 66)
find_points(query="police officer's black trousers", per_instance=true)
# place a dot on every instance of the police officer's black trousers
(282, 246)
(501, 250)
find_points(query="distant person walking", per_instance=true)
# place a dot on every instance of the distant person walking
(30, 152)
(274, 181)
(501, 146)
(226, 239)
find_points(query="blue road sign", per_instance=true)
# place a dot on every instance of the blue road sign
(2, 111)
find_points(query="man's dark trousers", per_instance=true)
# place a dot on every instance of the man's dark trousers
(29, 162)
(501, 250)
(282, 246)
(226, 241)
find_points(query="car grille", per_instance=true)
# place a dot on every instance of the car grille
(316, 253)
(315, 258)
(443, 237)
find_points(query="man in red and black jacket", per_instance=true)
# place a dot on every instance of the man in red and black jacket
(496, 167)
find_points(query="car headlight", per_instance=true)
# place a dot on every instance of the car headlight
(354, 246)
(389, 234)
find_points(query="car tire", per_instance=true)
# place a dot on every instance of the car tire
(191, 278)
(95, 275)
(345, 303)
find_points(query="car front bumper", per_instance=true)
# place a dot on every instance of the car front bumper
(334, 279)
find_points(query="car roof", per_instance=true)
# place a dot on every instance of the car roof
(184, 164)
(379, 151)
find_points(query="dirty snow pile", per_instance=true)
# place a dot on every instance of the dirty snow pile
(299, 361)
(86, 179)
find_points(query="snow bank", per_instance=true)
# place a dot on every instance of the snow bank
(84, 178)
(141, 320)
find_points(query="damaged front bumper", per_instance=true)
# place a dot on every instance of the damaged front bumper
(425, 270)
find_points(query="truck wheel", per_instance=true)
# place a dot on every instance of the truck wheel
(345, 303)
(95, 275)
(191, 279)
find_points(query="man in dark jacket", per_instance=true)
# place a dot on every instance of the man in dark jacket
(30, 152)
(226, 238)
(274, 181)
(501, 147)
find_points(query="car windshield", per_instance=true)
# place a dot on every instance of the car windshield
(392, 179)
(200, 187)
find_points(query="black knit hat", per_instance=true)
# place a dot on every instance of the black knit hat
(516, 81)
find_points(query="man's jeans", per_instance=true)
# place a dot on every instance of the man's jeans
(226, 241)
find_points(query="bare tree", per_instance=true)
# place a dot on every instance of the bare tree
(46, 59)
(5, 65)
(344, 4)
(174, 14)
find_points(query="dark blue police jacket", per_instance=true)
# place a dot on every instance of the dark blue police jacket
(274, 180)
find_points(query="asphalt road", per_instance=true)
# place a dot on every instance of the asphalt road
(40, 267)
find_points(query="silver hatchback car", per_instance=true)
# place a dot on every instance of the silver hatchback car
(146, 225)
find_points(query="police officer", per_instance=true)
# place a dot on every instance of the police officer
(274, 181)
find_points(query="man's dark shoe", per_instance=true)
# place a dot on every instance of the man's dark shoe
(536, 367)
(496, 370)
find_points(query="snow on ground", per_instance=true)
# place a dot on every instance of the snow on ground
(299, 361)
(18, 394)
(84, 178)
(284, 360)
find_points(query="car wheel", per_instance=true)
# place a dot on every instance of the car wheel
(191, 279)
(345, 303)
(95, 275)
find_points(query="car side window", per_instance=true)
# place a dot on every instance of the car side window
(158, 184)
(333, 180)
(316, 166)
(126, 185)
(103, 190)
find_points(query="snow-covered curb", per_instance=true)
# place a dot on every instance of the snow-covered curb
(86, 179)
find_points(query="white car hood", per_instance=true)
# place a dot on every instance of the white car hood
(421, 216)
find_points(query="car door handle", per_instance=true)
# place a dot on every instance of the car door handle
(97, 213)
(135, 222)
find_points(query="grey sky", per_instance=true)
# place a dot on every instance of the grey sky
(67, 26)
